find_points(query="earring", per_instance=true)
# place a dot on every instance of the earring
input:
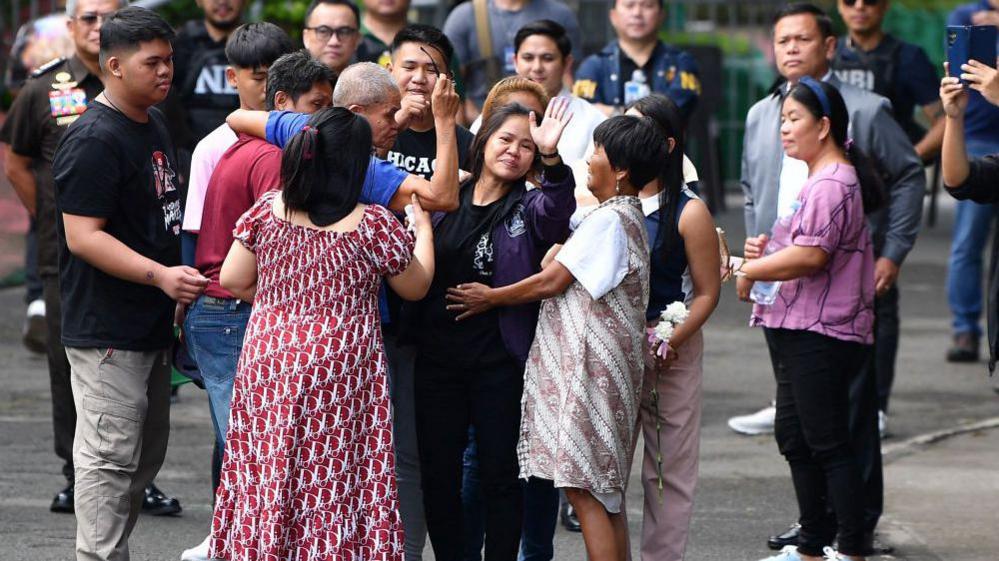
(617, 186)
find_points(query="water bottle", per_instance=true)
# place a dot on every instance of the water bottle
(636, 88)
(765, 293)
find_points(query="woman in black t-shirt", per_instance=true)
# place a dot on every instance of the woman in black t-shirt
(470, 374)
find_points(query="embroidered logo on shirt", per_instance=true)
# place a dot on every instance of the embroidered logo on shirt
(515, 225)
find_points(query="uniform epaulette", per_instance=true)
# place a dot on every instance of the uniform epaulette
(41, 70)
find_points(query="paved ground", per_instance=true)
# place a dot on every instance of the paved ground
(941, 496)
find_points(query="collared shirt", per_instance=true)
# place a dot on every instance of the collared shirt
(670, 71)
(55, 96)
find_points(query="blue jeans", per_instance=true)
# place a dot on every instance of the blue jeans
(541, 501)
(214, 329)
(972, 223)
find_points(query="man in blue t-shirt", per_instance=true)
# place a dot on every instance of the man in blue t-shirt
(972, 221)
(873, 60)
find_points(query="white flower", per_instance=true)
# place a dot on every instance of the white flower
(676, 313)
(664, 330)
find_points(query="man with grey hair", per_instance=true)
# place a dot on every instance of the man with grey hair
(368, 89)
(54, 97)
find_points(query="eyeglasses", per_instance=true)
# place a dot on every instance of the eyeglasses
(864, 2)
(91, 18)
(324, 32)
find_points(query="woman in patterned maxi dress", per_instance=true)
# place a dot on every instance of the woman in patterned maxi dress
(309, 471)
(584, 372)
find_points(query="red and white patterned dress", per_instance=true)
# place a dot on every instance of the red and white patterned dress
(309, 470)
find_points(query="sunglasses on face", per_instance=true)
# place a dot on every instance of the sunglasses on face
(324, 32)
(91, 18)
(864, 2)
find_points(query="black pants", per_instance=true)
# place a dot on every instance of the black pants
(448, 401)
(63, 407)
(886, 329)
(814, 373)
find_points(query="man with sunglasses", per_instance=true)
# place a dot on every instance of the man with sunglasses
(54, 97)
(873, 60)
(332, 32)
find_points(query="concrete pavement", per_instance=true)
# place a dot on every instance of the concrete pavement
(941, 496)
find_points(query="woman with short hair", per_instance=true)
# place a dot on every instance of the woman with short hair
(584, 373)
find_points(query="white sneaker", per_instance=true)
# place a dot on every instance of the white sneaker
(882, 424)
(789, 553)
(198, 552)
(833, 555)
(761, 422)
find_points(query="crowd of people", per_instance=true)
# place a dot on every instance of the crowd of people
(410, 329)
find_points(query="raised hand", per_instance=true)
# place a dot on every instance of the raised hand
(414, 105)
(952, 95)
(983, 79)
(444, 100)
(549, 132)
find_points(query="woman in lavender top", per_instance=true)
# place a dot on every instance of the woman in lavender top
(819, 325)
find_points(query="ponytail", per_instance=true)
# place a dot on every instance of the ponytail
(665, 115)
(872, 186)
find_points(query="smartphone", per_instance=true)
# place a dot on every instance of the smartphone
(967, 42)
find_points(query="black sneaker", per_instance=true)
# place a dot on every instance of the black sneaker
(965, 348)
(63, 502)
(158, 504)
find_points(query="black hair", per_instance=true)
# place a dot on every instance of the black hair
(488, 129)
(872, 187)
(256, 45)
(799, 8)
(425, 35)
(666, 115)
(549, 29)
(348, 3)
(128, 27)
(295, 74)
(323, 165)
(634, 145)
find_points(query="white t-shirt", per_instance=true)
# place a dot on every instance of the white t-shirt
(793, 175)
(206, 156)
(597, 252)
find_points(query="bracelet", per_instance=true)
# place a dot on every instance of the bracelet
(548, 156)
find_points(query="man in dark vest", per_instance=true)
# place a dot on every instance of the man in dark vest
(873, 60)
(201, 97)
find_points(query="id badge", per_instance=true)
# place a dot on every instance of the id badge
(508, 59)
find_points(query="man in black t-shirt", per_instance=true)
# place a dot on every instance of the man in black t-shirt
(119, 253)
(419, 54)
